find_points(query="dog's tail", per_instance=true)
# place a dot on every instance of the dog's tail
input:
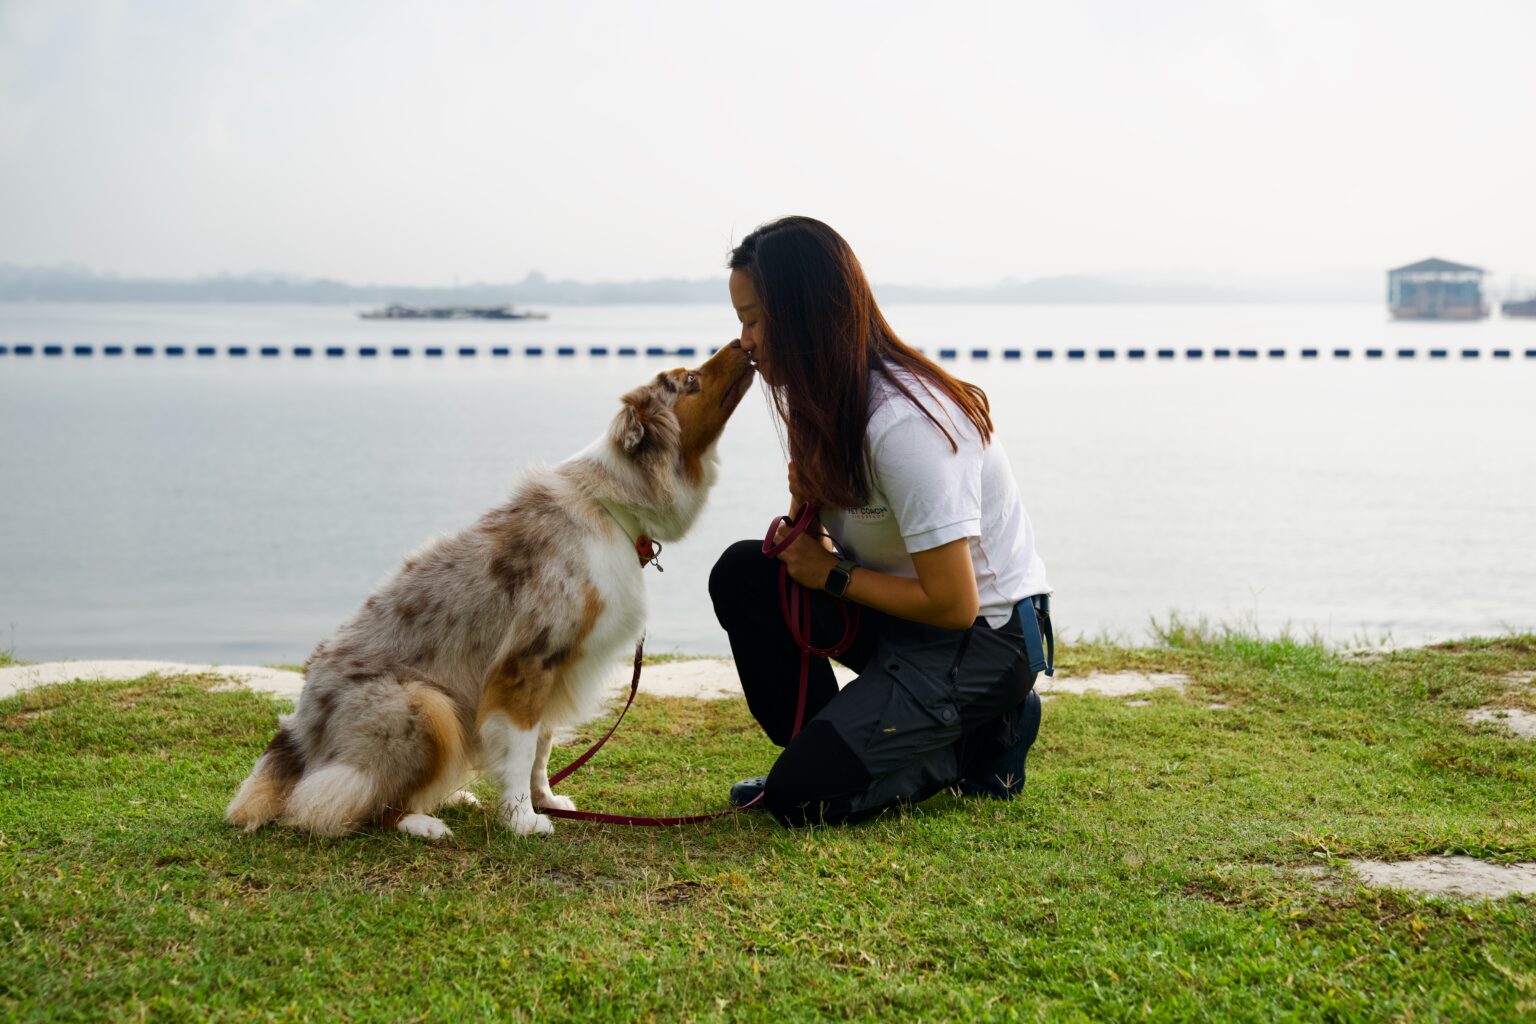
(332, 800)
(414, 770)
(265, 791)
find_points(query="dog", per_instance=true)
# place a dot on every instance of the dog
(467, 658)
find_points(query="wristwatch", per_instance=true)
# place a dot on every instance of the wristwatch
(839, 577)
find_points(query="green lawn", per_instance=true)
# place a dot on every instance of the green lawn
(1168, 862)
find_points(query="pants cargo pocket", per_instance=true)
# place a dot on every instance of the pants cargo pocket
(920, 713)
(991, 677)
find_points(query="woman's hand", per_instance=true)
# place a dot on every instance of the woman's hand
(808, 559)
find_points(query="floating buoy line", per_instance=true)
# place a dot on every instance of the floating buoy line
(1043, 354)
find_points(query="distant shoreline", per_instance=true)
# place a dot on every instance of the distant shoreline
(70, 284)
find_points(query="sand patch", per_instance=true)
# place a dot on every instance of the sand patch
(1110, 684)
(699, 678)
(702, 678)
(1449, 876)
(269, 680)
(1521, 723)
(715, 678)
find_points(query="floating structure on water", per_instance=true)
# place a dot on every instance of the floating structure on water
(1436, 289)
(402, 312)
(1520, 300)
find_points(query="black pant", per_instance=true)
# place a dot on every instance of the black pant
(930, 705)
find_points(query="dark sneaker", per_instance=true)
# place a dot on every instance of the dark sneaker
(747, 792)
(1004, 779)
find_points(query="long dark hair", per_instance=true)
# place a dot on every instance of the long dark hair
(825, 335)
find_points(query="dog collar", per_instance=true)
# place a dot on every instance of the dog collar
(646, 549)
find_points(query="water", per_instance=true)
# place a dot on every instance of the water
(238, 510)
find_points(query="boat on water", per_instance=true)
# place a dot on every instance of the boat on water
(397, 311)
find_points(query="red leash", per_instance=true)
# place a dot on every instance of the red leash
(794, 603)
(795, 606)
(624, 819)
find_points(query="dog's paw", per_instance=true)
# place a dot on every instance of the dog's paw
(423, 825)
(555, 803)
(525, 822)
(462, 798)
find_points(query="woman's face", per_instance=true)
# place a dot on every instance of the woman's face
(753, 326)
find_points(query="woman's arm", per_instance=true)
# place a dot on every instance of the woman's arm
(944, 593)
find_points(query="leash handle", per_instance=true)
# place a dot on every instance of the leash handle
(795, 605)
(802, 522)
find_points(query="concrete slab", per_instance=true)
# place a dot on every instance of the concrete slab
(23, 677)
(703, 678)
(1521, 723)
(715, 678)
(1111, 684)
(1449, 876)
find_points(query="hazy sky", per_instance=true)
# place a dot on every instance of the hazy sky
(949, 142)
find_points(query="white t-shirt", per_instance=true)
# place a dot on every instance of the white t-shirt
(923, 495)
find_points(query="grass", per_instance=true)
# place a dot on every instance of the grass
(1167, 862)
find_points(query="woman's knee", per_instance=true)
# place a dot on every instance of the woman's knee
(817, 778)
(736, 566)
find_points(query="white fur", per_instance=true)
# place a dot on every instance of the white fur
(538, 785)
(329, 801)
(509, 754)
(423, 825)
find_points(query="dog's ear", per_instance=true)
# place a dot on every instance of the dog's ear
(630, 424)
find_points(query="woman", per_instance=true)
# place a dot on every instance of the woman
(923, 530)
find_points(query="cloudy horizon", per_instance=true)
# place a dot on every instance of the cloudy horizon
(965, 145)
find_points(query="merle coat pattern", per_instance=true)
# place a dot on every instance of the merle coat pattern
(468, 658)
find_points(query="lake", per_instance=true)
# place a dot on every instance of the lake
(237, 510)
